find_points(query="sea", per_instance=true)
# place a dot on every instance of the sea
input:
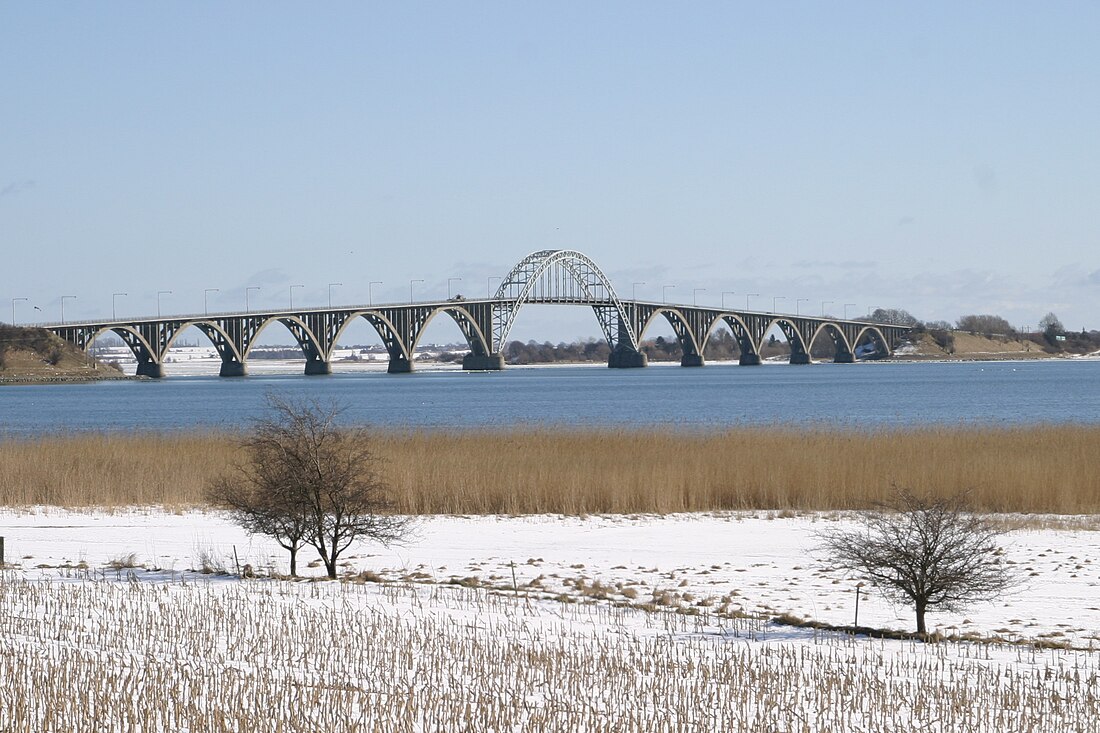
(667, 397)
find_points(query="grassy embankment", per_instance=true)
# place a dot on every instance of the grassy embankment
(1038, 469)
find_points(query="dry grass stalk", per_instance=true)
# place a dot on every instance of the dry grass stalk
(1046, 469)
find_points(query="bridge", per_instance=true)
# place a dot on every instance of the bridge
(550, 277)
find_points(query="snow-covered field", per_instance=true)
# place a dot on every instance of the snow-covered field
(610, 623)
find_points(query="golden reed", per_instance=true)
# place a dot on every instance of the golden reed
(1046, 469)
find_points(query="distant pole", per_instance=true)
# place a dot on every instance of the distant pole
(823, 304)
(411, 288)
(797, 303)
(872, 308)
(63, 307)
(634, 291)
(370, 291)
(330, 286)
(664, 292)
(292, 294)
(1, 552)
(449, 281)
(205, 301)
(846, 305)
(489, 284)
(724, 294)
(250, 287)
(695, 295)
(776, 299)
(114, 299)
(160, 293)
(750, 295)
(13, 300)
(858, 586)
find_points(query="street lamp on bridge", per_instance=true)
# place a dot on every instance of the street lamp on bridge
(63, 306)
(13, 309)
(776, 299)
(489, 284)
(664, 292)
(634, 291)
(823, 304)
(160, 293)
(250, 287)
(206, 301)
(750, 295)
(798, 302)
(330, 287)
(449, 281)
(292, 294)
(724, 294)
(695, 295)
(114, 299)
(370, 291)
(411, 288)
(846, 306)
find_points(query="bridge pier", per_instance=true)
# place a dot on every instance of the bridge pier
(232, 369)
(748, 359)
(483, 362)
(800, 357)
(844, 357)
(399, 365)
(150, 369)
(317, 366)
(626, 358)
(692, 360)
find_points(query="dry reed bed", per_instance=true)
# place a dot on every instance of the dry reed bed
(102, 655)
(1045, 469)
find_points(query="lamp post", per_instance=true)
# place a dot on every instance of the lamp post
(846, 306)
(489, 284)
(823, 304)
(292, 294)
(160, 293)
(798, 302)
(63, 306)
(114, 299)
(250, 287)
(634, 290)
(206, 299)
(370, 291)
(724, 294)
(871, 308)
(750, 295)
(664, 292)
(330, 287)
(695, 295)
(411, 288)
(449, 281)
(776, 299)
(13, 300)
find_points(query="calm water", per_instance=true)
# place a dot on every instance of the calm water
(869, 395)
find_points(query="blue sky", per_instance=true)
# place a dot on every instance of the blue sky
(938, 157)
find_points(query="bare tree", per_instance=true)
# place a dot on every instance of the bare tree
(933, 553)
(260, 494)
(310, 481)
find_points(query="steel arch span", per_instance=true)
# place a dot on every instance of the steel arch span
(561, 276)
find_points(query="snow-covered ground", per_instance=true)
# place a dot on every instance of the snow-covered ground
(520, 624)
(750, 563)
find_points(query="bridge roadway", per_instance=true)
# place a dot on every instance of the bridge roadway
(548, 277)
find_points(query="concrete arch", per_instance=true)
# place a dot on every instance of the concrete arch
(383, 326)
(876, 335)
(842, 346)
(800, 350)
(680, 326)
(217, 336)
(307, 340)
(467, 324)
